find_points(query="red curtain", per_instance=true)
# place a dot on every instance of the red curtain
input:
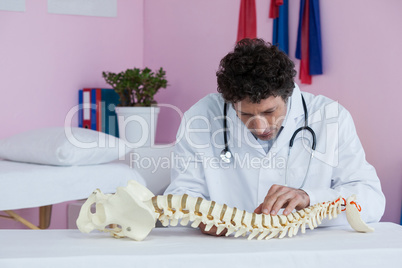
(274, 8)
(247, 20)
(304, 74)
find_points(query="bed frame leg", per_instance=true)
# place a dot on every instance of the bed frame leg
(17, 217)
(44, 216)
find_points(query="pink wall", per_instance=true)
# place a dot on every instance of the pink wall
(361, 52)
(45, 58)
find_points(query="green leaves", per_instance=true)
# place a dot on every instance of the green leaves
(136, 87)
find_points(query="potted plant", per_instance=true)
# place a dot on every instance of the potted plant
(137, 112)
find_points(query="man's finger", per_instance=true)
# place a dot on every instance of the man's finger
(258, 209)
(302, 201)
(271, 199)
(291, 205)
(274, 188)
(281, 201)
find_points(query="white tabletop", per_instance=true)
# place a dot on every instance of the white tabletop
(187, 247)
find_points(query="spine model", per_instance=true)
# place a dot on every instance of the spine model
(134, 209)
(196, 210)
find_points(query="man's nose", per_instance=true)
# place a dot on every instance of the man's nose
(260, 124)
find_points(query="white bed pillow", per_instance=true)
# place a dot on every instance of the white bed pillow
(63, 147)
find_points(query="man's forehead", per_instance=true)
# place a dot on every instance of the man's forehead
(271, 102)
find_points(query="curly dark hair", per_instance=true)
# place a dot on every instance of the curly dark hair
(256, 70)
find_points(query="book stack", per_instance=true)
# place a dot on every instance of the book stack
(96, 110)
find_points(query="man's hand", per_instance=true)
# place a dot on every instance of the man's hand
(283, 197)
(212, 231)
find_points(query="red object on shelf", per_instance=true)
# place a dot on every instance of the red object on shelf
(86, 108)
(98, 109)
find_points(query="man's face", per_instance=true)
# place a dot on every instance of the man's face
(263, 119)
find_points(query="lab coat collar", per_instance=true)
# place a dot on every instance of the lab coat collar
(239, 135)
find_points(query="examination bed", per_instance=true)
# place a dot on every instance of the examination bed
(25, 185)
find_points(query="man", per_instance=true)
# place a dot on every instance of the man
(265, 108)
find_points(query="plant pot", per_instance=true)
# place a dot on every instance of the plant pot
(137, 125)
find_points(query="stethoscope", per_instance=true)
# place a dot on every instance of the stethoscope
(226, 155)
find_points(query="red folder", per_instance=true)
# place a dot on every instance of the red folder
(96, 109)
(99, 109)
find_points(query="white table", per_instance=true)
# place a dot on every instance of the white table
(187, 247)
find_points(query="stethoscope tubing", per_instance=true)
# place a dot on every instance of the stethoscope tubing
(226, 155)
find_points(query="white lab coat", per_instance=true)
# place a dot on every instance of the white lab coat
(339, 167)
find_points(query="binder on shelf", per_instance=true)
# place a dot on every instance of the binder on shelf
(96, 109)
(110, 99)
(80, 124)
(86, 108)
(99, 114)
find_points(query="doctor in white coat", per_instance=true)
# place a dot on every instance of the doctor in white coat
(264, 108)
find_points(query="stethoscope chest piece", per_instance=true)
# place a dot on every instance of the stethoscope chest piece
(226, 156)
